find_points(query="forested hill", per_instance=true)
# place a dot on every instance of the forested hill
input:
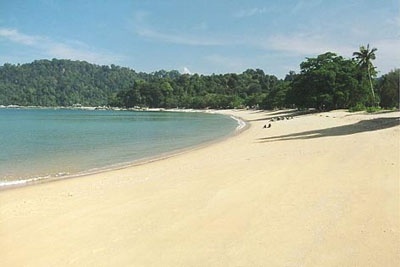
(327, 81)
(62, 83)
(66, 83)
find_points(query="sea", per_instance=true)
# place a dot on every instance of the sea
(46, 144)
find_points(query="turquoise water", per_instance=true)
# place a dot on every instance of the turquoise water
(40, 144)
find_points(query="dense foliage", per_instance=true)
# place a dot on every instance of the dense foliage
(61, 83)
(67, 83)
(389, 87)
(325, 82)
(328, 82)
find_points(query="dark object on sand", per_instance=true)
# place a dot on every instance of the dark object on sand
(265, 126)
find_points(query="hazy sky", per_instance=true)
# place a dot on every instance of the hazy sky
(198, 36)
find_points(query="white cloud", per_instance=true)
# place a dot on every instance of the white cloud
(60, 50)
(302, 5)
(250, 12)
(186, 71)
(203, 26)
(305, 45)
(227, 63)
(143, 29)
(44, 46)
(17, 37)
(175, 38)
(388, 54)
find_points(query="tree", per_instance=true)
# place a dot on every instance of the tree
(389, 89)
(325, 82)
(364, 57)
(277, 97)
(328, 81)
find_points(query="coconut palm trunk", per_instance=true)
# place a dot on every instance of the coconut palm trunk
(370, 82)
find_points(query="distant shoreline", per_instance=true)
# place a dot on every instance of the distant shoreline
(79, 107)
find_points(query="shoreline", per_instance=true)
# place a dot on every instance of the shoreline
(9, 185)
(318, 189)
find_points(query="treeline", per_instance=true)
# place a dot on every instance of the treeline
(326, 82)
(62, 83)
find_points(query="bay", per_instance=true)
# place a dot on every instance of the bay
(37, 144)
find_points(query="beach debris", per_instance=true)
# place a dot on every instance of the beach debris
(282, 118)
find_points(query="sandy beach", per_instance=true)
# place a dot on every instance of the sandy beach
(320, 189)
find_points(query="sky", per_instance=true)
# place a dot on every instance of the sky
(199, 36)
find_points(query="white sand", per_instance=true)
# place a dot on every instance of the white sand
(316, 190)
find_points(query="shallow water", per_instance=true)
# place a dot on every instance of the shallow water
(47, 143)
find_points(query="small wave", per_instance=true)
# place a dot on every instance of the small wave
(22, 182)
(241, 123)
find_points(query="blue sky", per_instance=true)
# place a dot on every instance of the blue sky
(217, 36)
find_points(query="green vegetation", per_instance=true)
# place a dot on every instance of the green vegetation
(326, 82)
(389, 88)
(364, 57)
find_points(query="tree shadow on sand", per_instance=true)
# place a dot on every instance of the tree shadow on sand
(285, 113)
(359, 127)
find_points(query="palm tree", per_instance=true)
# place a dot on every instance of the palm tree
(364, 57)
